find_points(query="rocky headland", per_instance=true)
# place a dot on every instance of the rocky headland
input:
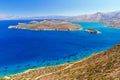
(48, 25)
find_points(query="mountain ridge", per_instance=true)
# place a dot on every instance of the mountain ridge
(112, 19)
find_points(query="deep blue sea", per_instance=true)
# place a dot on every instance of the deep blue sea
(21, 50)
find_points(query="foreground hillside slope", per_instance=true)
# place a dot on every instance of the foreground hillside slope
(100, 66)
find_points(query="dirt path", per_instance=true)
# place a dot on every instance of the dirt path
(37, 78)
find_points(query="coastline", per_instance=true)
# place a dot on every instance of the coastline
(101, 65)
(42, 67)
(52, 66)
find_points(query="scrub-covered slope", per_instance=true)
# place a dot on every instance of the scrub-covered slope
(100, 66)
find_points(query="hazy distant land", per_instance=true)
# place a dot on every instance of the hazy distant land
(49, 25)
(112, 19)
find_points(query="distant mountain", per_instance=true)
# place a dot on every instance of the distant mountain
(88, 17)
(30, 18)
(97, 16)
(7, 17)
(112, 19)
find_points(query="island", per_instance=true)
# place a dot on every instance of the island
(48, 25)
(93, 31)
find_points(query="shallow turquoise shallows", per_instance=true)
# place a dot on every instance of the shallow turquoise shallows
(21, 50)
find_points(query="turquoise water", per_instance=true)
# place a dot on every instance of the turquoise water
(21, 50)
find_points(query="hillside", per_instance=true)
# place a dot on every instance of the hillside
(100, 66)
(112, 19)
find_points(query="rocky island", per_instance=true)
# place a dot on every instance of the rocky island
(48, 25)
(92, 31)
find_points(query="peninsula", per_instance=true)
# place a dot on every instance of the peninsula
(48, 25)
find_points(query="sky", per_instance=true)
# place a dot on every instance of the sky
(56, 7)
